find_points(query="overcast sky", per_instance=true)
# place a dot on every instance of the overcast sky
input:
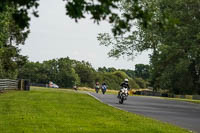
(54, 35)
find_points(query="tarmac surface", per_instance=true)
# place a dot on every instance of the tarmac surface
(182, 114)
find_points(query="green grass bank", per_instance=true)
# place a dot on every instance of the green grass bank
(62, 111)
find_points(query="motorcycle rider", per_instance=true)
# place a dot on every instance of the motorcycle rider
(103, 88)
(75, 87)
(97, 87)
(124, 85)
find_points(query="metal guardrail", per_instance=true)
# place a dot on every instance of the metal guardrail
(151, 93)
(194, 97)
(6, 84)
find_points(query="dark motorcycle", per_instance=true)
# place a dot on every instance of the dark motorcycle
(123, 94)
(97, 88)
(103, 89)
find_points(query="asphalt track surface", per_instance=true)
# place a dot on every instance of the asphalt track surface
(182, 114)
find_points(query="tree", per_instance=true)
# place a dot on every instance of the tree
(34, 71)
(60, 71)
(114, 79)
(142, 71)
(11, 36)
(85, 72)
(174, 41)
(141, 82)
(129, 72)
(104, 69)
(22, 7)
(176, 56)
(76, 9)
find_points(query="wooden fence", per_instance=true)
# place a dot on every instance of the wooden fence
(8, 84)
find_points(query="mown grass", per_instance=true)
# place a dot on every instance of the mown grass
(61, 111)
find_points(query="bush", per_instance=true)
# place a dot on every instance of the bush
(113, 80)
(122, 75)
(142, 83)
(133, 84)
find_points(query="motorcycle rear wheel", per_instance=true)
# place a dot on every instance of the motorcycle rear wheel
(121, 100)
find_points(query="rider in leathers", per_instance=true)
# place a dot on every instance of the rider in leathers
(124, 85)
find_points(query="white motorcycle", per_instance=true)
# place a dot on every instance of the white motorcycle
(123, 94)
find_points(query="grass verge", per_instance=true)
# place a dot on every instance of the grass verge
(61, 111)
(185, 100)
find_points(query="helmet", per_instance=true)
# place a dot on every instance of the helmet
(126, 80)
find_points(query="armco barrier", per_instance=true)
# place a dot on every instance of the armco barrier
(188, 96)
(179, 96)
(196, 97)
(151, 93)
(182, 96)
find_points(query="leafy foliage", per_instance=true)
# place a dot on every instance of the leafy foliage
(22, 7)
(11, 35)
(67, 72)
(76, 9)
(173, 36)
(104, 69)
(142, 71)
(85, 72)
(141, 82)
(175, 60)
(59, 71)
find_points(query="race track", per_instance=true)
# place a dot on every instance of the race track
(183, 114)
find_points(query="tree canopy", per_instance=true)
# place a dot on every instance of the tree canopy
(11, 35)
(174, 43)
(77, 9)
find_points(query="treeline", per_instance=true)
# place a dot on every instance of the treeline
(67, 72)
